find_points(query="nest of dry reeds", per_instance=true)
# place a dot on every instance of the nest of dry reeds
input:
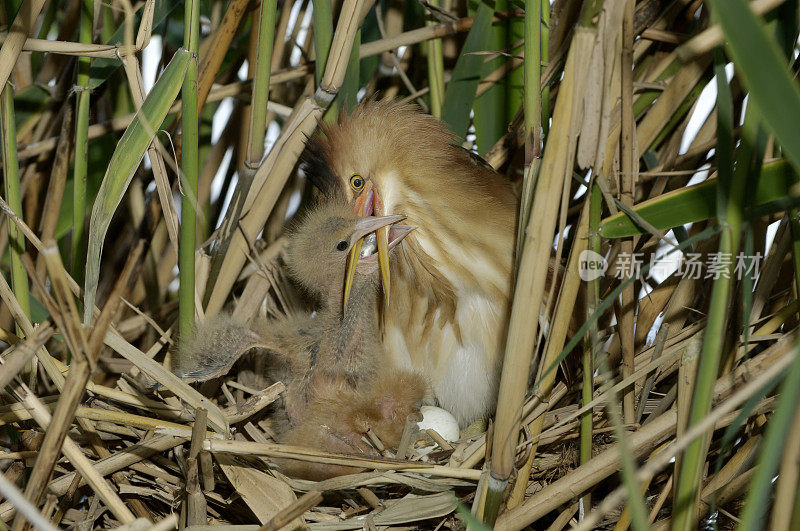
(655, 140)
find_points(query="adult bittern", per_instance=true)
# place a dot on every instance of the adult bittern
(338, 385)
(446, 314)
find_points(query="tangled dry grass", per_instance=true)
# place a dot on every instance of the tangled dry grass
(674, 404)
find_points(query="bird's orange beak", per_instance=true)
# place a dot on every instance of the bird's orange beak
(368, 203)
(364, 227)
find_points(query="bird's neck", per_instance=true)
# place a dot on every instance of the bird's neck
(357, 331)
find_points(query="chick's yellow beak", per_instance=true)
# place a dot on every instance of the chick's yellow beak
(368, 203)
(364, 227)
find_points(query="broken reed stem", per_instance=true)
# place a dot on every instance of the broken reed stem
(55, 435)
(546, 376)
(213, 50)
(28, 511)
(57, 182)
(22, 352)
(196, 508)
(122, 459)
(24, 323)
(307, 501)
(189, 170)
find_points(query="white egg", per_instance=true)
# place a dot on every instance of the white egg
(440, 420)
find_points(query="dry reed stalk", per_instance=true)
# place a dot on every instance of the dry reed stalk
(76, 457)
(661, 96)
(546, 375)
(74, 385)
(27, 328)
(705, 41)
(317, 456)
(212, 51)
(294, 511)
(628, 166)
(280, 161)
(22, 352)
(529, 289)
(106, 466)
(195, 503)
(18, 33)
(640, 442)
(87, 352)
(786, 491)
(106, 51)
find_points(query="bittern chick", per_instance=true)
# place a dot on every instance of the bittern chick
(340, 342)
(450, 289)
(337, 385)
(319, 410)
(319, 251)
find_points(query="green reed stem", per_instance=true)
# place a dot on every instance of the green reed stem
(16, 240)
(260, 96)
(189, 170)
(80, 170)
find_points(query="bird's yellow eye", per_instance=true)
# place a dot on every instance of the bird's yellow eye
(357, 182)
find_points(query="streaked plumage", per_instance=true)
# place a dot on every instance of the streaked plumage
(451, 285)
